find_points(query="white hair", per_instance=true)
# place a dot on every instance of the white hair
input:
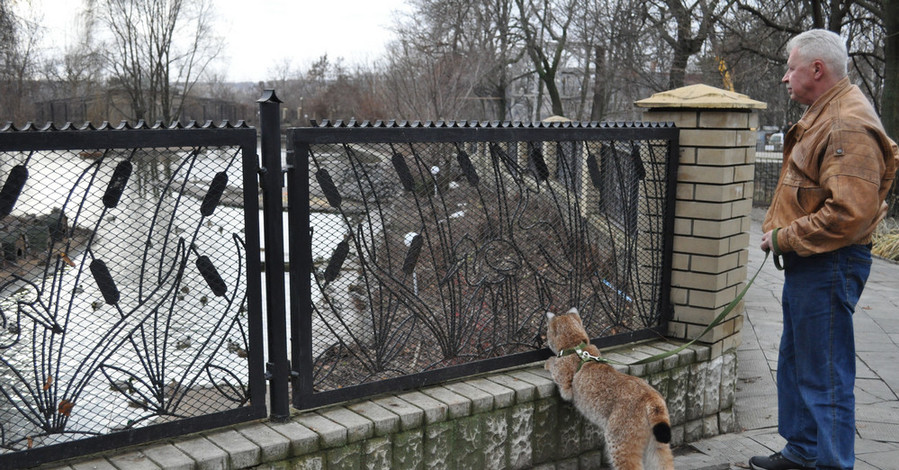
(826, 46)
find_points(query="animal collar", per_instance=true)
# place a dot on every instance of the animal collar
(584, 355)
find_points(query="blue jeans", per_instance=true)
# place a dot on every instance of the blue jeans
(816, 366)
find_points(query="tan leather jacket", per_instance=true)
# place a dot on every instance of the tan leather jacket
(838, 166)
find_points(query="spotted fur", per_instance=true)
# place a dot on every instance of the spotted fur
(632, 414)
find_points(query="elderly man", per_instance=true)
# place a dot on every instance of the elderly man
(839, 165)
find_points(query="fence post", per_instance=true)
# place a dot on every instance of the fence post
(714, 200)
(273, 230)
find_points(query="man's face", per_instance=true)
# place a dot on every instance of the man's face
(800, 78)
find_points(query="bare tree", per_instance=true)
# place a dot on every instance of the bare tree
(75, 78)
(493, 36)
(438, 67)
(286, 79)
(610, 37)
(587, 33)
(8, 26)
(890, 98)
(335, 92)
(426, 85)
(545, 26)
(685, 26)
(159, 50)
(18, 62)
(8, 60)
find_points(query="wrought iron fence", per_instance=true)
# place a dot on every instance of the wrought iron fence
(129, 286)
(131, 300)
(767, 172)
(424, 251)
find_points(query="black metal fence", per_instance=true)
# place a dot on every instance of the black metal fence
(129, 286)
(437, 248)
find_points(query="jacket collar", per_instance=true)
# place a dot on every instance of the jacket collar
(820, 105)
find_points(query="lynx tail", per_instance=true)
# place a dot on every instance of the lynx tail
(661, 429)
(662, 432)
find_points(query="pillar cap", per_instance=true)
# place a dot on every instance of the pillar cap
(700, 96)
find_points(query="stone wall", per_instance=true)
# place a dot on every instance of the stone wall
(507, 420)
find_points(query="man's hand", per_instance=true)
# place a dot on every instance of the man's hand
(766, 241)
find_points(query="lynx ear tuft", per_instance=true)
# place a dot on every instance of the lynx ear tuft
(549, 315)
(573, 310)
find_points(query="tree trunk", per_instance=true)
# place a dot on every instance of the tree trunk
(598, 111)
(502, 102)
(890, 100)
(678, 68)
(555, 97)
(889, 108)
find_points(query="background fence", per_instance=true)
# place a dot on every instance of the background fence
(767, 172)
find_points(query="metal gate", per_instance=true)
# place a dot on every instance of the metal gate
(130, 295)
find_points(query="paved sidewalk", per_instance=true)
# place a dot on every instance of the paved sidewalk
(876, 388)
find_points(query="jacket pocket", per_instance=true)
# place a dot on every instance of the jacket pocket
(810, 198)
(804, 194)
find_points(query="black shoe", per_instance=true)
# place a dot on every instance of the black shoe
(775, 462)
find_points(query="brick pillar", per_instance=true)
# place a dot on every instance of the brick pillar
(714, 200)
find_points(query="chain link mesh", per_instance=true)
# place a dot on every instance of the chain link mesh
(123, 290)
(430, 255)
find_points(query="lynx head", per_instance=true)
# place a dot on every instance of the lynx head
(565, 331)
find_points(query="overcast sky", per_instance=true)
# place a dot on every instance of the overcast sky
(263, 33)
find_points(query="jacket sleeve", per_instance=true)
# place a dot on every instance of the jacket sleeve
(851, 170)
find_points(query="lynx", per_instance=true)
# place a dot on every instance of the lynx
(632, 414)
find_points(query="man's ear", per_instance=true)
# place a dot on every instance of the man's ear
(818, 69)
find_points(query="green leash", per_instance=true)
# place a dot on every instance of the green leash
(776, 250)
(587, 357)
